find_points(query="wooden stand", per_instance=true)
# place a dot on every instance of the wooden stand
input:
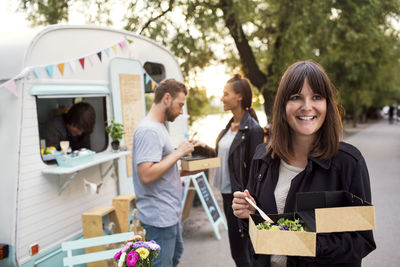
(124, 205)
(198, 183)
(92, 226)
(125, 208)
(188, 201)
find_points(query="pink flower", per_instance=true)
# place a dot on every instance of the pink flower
(127, 246)
(117, 255)
(132, 258)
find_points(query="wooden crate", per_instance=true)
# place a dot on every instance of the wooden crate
(124, 205)
(92, 226)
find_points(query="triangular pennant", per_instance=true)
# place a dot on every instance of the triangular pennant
(38, 72)
(49, 69)
(114, 47)
(147, 78)
(107, 50)
(90, 57)
(152, 85)
(72, 65)
(99, 55)
(129, 41)
(11, 86)
(82, 61)
(122, 44)
(61, 68)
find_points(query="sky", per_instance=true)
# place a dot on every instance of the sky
(212, 79)
(11, 21)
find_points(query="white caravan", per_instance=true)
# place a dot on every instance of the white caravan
(48, 70)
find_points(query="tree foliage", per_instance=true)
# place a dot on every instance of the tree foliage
(198, 104)
(45, 12)
(355, 41)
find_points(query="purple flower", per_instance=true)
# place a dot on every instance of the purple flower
(127, 246)
(117, 255)
(132, 258)
(139, 244)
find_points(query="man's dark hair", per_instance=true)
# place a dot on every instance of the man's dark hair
(171, 86)
(82, 116)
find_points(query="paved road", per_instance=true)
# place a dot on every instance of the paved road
(380, 145)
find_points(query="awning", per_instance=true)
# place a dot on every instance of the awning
(68, 90)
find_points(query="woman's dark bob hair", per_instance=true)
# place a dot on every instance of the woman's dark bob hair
(328, 136)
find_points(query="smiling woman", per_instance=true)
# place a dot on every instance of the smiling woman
(305, 155)
(305, 113)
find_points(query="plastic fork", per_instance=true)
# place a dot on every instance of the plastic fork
(263, 215)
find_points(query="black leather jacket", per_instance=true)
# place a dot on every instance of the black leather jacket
(241, 152)
(346, 171)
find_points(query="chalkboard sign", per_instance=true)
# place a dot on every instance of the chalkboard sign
(206, 196)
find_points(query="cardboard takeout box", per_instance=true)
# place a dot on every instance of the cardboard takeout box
(319, 212)
(196, 163)
(335, 211)
(289, 243)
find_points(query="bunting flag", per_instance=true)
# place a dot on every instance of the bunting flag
(99, 55)
(38, 72)
(11, 86)
(107, 50)
(61, 68)
(82, 61)
(49, 70)
(149, 81)
(122, 44)
(91, 60)
(72, 65)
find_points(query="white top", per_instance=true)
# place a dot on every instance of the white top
(286, 175)
(222, 179)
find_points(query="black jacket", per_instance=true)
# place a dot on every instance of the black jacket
(242, 149)
(346, 171)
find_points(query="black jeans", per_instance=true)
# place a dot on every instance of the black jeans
(238, 242)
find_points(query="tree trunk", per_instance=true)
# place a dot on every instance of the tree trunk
(250, 67)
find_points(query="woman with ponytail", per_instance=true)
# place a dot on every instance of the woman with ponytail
(235, 146)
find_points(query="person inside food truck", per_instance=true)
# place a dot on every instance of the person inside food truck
(74, 126)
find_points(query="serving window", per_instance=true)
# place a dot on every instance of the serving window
(52, 109)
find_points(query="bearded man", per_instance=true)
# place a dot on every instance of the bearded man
(156, 177)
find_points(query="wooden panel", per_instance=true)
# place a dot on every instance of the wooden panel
(131, 99)
(188, 202)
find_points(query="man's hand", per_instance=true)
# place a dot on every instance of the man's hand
(185, 147)
(149, 172)
(241, 208)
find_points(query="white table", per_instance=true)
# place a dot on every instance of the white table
(98, 159)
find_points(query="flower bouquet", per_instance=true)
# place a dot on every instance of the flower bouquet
(137, 253)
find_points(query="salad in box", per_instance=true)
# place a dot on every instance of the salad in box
(280, 239)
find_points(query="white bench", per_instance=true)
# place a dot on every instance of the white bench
(69, 246)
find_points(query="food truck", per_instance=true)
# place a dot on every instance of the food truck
(43, 72)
